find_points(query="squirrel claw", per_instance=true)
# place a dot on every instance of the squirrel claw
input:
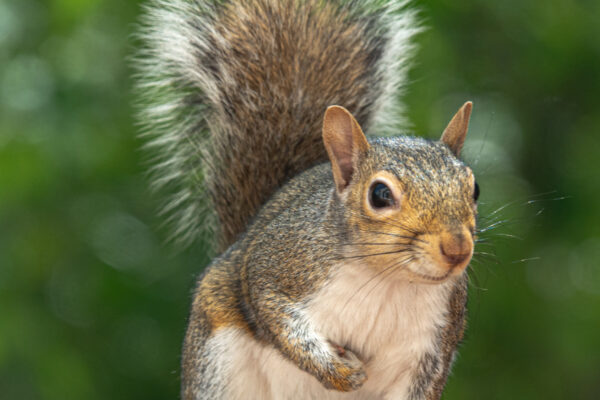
(339, 349)
(347, 373)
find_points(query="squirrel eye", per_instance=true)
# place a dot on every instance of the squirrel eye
(381, 196)
(476, 192)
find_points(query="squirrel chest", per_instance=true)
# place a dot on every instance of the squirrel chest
(395, 327)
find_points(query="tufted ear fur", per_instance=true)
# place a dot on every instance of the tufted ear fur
(344, 140)
(456, 131)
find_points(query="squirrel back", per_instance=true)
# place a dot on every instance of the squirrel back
(233, 95)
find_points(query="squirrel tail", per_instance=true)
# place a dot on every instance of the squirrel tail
(232, 94)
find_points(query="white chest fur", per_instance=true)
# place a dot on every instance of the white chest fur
(389, 323)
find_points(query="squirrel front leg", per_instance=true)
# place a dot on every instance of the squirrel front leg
(288, 327)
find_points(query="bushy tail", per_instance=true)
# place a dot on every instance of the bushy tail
(233, 94)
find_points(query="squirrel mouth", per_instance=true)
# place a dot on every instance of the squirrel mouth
(433, 279)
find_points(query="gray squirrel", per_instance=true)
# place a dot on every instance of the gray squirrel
(342, 257)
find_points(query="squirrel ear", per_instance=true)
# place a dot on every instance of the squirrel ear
(344, 141)
(456, 131)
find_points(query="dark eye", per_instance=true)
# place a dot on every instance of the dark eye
(381, 196)
(476, 192)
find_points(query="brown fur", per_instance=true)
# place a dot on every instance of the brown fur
(282, 43)
(456, 131)
(255, 77)
(302, 233)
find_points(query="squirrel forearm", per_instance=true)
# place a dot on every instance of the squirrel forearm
(299, 341)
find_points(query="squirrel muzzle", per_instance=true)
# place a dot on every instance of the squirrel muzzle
(456, 248)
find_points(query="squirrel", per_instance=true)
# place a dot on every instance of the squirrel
(342, 257)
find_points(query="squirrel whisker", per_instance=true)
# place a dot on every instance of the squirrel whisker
(374, 244)
(399, 236)
(391, 222)
(376, 254)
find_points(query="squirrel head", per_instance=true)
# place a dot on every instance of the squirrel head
(410, 204)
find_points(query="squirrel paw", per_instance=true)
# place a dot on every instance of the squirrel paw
(345, 372)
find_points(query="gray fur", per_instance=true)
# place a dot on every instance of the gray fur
(232, 95)
(200, 110)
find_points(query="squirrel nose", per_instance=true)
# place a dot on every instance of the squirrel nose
(455, 248)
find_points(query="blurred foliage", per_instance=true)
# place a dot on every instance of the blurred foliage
(93, 306)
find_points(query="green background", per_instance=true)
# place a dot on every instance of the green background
(94, 306)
